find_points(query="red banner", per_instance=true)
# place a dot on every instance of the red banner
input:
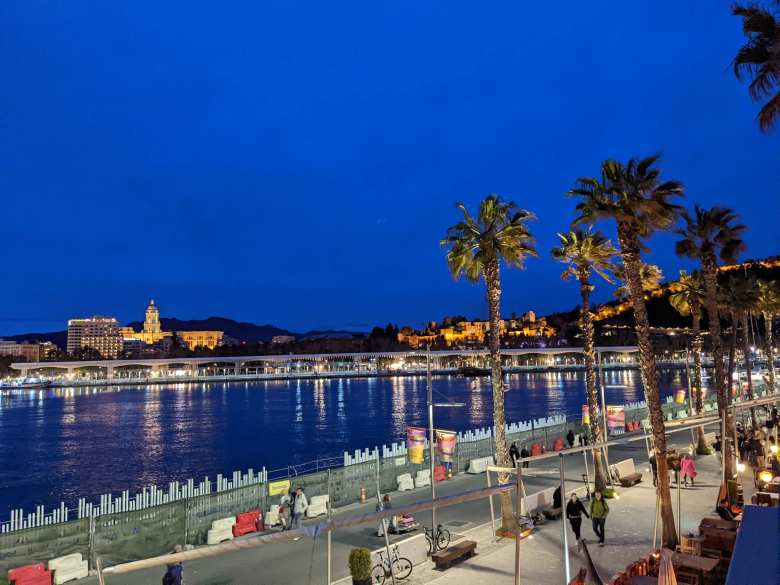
(445, 445)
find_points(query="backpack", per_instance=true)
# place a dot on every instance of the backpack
(168, 579)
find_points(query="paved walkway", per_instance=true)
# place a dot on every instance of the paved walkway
(629, 535)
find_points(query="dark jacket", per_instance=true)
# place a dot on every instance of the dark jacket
(176, 571)
(514, 454)
(575, 510)
(557, 497)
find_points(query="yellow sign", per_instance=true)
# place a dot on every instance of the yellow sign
(278, 487)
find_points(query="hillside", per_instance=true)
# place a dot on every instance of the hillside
(241, 331)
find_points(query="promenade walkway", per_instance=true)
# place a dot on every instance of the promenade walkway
(629, 535)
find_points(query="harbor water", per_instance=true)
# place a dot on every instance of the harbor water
(63, 444)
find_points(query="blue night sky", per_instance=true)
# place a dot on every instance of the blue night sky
(297, 162)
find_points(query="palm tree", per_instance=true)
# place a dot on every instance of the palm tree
(476, 246)
(709, 234)
(650, 275)
(759, 58)
(585, 253)
(769, 305)
(687, 300)
(740, 297)
(640, 202)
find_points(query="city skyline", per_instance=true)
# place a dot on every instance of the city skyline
(274, 175)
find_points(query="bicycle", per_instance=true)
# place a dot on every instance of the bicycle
(401, 567)
(442, 539)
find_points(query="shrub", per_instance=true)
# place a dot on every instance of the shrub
(360, 564)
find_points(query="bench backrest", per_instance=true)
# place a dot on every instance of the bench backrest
(623, 468)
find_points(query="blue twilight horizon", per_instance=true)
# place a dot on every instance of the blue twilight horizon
(296, 163)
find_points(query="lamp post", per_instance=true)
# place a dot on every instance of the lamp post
(431, 438)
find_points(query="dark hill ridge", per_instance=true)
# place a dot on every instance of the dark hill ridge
(238, 330)
(241, 331)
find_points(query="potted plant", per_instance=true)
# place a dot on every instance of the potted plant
(360, 566)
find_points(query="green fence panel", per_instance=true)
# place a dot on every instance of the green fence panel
(203, 510)
(39, 545)
(129, 536)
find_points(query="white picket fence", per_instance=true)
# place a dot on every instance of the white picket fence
(398, 449)
(147, 498)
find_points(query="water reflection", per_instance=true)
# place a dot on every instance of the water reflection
(89, 441)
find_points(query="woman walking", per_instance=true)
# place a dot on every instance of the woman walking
(688, 469)
(574, 512)
(598, 515)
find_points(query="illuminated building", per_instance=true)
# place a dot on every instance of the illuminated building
(152, 334)
(282, 339)
(98, 333)
(30, 352)
(196, 339)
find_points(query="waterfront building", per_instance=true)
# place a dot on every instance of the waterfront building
(204, 339)
(98, 333)
(29, 352)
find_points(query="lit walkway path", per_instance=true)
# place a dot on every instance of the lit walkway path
(304, 562)
(629, 534)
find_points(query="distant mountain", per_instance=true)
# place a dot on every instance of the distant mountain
(331, 334)
(248, 332)
(59, 338)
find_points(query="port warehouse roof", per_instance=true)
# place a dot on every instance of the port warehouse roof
(244, 359)
(756, 557)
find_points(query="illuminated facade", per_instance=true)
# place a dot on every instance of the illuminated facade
(475, 332)
(98, 333)
(29, 352)
(196, 339)
(153, 334)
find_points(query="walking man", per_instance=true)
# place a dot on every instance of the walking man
(570, 438)
(598, 515)
(174, 573)
(300, 505)
(514, 454)
(574, 512)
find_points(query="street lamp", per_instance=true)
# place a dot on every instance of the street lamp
(431, 437)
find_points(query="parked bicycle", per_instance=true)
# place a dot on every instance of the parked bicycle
(442, 539)
(401, 567)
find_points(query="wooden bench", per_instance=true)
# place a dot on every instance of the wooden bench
(625, 473)
(461, 550)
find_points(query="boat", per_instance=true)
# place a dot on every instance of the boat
(25, 383)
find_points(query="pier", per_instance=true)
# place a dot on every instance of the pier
(260, 367)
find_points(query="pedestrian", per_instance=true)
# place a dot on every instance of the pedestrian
(654, 467)
(688, 469)
(775, 420)
(557, 498)
(598, 515)
(299, 507)
(514, 453)
(284, 511)
(574, 511)
(524, 452)
(570, 438)
(383, 504)
(174, 572)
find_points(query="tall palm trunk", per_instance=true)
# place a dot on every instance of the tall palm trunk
(770, 350)
(493, 281)
(630, 247)
(733, 359)
(590, 380)
(696, 345)
(748, 368)
(709, 272)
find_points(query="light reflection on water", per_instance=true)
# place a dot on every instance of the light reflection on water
(82, 442)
